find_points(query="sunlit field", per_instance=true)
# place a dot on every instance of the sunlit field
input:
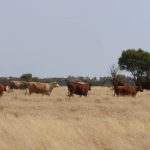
(99, 121)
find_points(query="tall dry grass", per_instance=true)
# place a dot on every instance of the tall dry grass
(97, 122)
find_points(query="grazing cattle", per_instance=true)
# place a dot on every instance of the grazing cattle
(2, 89)
(43, 88)
(78, 88)
(18, 85)
(127, 90)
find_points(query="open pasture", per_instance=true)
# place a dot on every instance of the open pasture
(99, 121)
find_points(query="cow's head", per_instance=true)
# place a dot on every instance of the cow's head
(54, 84)
(5, 87)
(90, 86)
(139, 88)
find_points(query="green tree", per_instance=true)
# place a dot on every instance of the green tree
(26, 77)
(146, 65)
(135, 61)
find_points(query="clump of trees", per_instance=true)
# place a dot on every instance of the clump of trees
(137, 62)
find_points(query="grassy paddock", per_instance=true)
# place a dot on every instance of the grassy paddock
(56, 122)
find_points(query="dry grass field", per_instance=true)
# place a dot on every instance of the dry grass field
(97, 122)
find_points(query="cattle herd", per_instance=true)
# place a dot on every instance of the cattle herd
(78, 88)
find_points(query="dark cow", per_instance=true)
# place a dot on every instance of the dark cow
(2, 89)
(78, 88)
(127, 90)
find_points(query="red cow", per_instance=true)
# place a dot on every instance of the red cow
(78, 88)
(2, 89)
(127, 90)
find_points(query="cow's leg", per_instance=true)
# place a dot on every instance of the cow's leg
(29, 93)
(48, 94)
(68, 92)
(10, 90)
(1, 94)
(26, 91)
(114, 93)
(117, 94)
(71, 94)
(133, 95)
(86, 93)
(83, 95)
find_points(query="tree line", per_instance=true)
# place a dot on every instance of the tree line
(137, 62)
(101, 81)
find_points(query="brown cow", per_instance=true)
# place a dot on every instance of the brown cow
(18, 85)
(127, 90)
(43, 88)
(2, 89)
(78, 88)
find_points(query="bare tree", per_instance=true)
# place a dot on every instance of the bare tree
(117, 79)
(114, 71)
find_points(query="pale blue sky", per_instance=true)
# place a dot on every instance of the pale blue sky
(57, 38)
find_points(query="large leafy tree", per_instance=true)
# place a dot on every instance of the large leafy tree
(137, 62)
(146, 65)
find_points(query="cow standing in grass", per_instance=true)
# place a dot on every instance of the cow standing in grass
(2, 89)
(78, 88)
(41, 88)
(127, 90)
